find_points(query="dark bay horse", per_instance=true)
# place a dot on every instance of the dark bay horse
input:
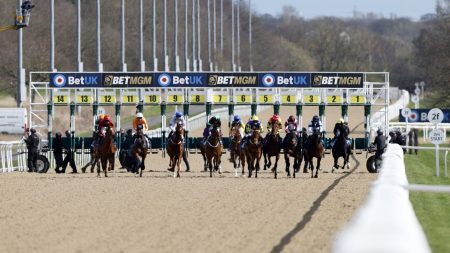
(235, 150)
(140, 148)
(105, 152)
(341, 149)
(272, 147)
(314, 148)
(213, 151)
(175, 149)
(253, 152)
(291, 148)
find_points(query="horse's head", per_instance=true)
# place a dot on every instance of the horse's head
(179, 130)
(215, 132)
(256, 136)
(274, 129)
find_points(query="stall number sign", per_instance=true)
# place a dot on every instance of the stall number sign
(60, 99)
(152, 99)
(311, 99)
(175, 98)
(334, 99)
(84, 99)
(288, 99)
(130, 99)
(220, 99)
(265, 99)
(243, 99)
(357, 99)
(436, 136)
(197, 98)
(107, 99)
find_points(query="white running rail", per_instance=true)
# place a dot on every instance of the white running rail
(13, 156)
(386, 222)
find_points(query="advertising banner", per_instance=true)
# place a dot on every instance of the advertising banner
(75, 80)
(421, 115)
(337, 80)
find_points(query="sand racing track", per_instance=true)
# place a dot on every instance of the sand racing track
(157, 213)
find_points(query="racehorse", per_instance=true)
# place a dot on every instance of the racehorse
(291, 147)
(341, 149)
(175, 149)
(314, 148)
(140, 148)
(105, 152)
(272, 147)
(235, 149)
(253, 152)
(213, 151)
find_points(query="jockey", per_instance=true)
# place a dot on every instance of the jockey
(252, 125)
(105, 122)
(140, 121)
(291, 124)
(341, 124)
(380, 142)
(315, 126)
(177, 118)
(214, 122)
(237, 122)
(274, 120)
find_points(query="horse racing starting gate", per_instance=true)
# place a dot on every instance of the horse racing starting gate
(143, 89)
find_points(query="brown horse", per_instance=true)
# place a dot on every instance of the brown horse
(175, 149)
(291, 147)
(140, 148)
(314, 148)
(105, 152)
(213, 151)
(253, 152)
(272, 147)
(235, 150)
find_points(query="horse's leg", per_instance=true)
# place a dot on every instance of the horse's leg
(266, 165)
(277, 157)
(173, 161)
(318, 167)
(97, 161)
(104, 163)
(210, 165)
(305, 166)
(249, 165)
(335, 165)
(180, 158)
(311, 165)
(143, 163)
(219, 161)
(286, 159)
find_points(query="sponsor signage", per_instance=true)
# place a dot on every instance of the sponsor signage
(75, 80)
(337, 80)
(211, 79)
(130, 80)
(180, 80)
(421, 115)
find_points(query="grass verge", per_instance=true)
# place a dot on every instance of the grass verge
(432, 209)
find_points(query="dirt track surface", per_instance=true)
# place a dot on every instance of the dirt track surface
(195, 213)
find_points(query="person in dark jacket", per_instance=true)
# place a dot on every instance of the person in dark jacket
(69, 159)
(32, 142)
(380, 142)
(58, 152)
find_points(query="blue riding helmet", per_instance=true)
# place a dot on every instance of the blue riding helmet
(237, 118)
(178, 114)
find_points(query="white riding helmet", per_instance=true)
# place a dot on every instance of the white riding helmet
(139, 115)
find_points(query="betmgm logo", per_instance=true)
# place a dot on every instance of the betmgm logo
(231, 80)
(110, 80)
(319, 80)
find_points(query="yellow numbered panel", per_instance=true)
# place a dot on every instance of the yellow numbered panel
(288, 99)
(311, 99)
(131, 99)
(175, 98)
(60, 99)
(197, 98)
(217, 99)
(152, 99)
(265, 99)
(243, 99)
(107, 99)
(357, 99)
(84, 99)
(334, 99)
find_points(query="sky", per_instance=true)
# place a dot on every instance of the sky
(344, 8)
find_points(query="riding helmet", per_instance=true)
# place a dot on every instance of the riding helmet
(178, 114)
(341, 120)
(237, 118)
(32, 130)
(316, 118)
(139, 115)
(107, 117)
(291, 118)
(275, 117)
(379, 132)
(255, 118)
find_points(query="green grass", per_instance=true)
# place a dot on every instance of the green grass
(432, 209)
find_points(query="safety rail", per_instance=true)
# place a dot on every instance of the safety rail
(386, 222)
(13, 155)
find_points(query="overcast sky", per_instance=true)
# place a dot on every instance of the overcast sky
(345, 8)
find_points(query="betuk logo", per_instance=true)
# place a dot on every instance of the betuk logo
(59, 80)
(268, 80)
(164, 80)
